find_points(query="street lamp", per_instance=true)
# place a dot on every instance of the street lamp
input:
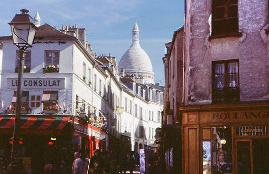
(23, 32)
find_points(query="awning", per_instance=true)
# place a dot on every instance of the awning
(39, 122)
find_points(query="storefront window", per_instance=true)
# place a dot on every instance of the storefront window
(50, 101)
(221, 150)
(206, 157)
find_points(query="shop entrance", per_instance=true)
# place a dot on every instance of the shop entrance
(252, 156)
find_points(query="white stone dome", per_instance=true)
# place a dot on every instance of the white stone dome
(136, 61)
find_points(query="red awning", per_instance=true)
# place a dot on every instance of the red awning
(40, 122)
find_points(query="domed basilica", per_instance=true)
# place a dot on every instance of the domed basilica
(135, 62)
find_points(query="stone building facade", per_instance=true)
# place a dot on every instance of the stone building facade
(173, 98)
(224, 113)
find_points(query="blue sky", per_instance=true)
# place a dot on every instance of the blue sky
(108, 22)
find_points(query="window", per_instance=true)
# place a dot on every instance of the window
(27, 61)
(105, 94)
(95, 82)
(50, 101)
(51, 61)
(77, 101)
(24, 102)
(125, 108)
(131, 107)
(90, 75)
(224, 17)
(141, 113)
(84, 71)
(141, 131)
(135, 110)
(35, 101)
(83, 107)
(159, 117)
(100, 86)
(221, 151)
(225, 81)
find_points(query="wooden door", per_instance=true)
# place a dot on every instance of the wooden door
(244, 157)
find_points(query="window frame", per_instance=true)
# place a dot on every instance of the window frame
(229, 17)
(25, 106)
(53, 105)
(28, 56)
(35, 103)
(90, 75)
(84, 69)
(48, 68)
(227, 91)
(95, 82)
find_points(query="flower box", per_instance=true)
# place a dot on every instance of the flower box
(50, 69)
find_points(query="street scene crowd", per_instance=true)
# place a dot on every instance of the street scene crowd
(103, 162)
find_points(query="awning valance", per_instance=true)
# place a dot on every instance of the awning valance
(40, 122)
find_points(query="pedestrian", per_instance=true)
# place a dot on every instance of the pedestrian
(78, 164)
(62, 167)
(48, 167)
(97, 163)
(131, 164)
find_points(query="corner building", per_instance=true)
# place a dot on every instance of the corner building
(72, 100)
(225, 114)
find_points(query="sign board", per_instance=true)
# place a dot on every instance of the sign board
(142, 161)
(37, 83)
(234, 116)
(251, 131)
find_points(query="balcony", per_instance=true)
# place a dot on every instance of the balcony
(50, 69)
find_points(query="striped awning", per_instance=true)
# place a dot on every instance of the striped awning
(40, 122)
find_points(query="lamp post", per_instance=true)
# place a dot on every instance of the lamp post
(23, 32)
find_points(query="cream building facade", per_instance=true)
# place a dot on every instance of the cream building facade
(63, 76)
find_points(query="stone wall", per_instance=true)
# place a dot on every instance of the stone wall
(251, 48)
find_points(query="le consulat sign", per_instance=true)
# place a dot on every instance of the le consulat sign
(39, 83)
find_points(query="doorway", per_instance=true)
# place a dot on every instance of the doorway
(252, 156)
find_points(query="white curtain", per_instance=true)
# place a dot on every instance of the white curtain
(219, 76)
(233, 72)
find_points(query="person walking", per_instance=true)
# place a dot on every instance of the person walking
(80, 165)
(131, 160)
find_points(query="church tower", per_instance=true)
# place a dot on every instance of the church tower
(37, 20)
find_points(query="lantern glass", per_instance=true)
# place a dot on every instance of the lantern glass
(22, 29)
(20, 33)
